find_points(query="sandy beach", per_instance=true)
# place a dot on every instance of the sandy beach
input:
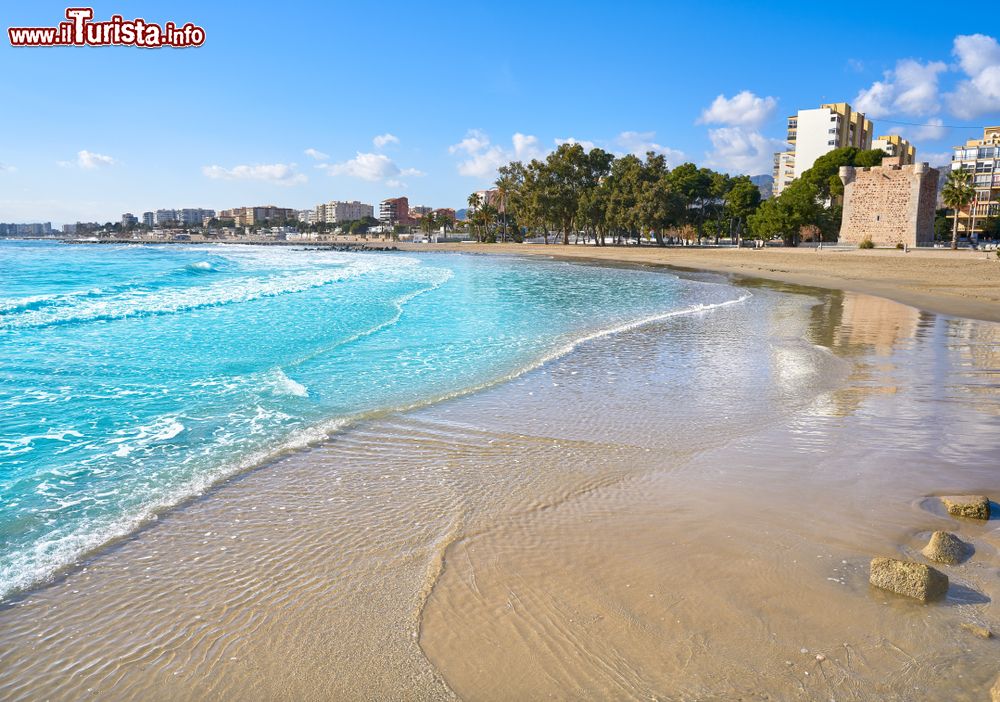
(683, 511)
(962, 283)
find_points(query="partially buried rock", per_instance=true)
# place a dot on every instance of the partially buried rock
(971, 506)
(914, 580)
(945, 547)
(982, 632)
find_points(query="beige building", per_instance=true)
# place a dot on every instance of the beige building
(895, 145)
(784, 170)
(812, 133)
(253, 216)
(889, 204)
(337, 211)
(981, 157)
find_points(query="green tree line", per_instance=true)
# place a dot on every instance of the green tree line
(593, 194)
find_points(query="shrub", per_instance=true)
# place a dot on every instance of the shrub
(866, 244)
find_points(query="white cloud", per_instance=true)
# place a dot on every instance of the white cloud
(911, 88)
(366, 166)
(979, 58)
(369, 166)
(277, 173)
(932, 131)
(743, 109)
(7, 168)
(976, 53)
(316, 155)
(393, 183)
(484, 157)
(384, 139)
(937, 159)
(525, 146)
(475, 140)
(638, 143)
(587, 145)
(856, 65)
(917, 86)
(742, 151)
(88, 160)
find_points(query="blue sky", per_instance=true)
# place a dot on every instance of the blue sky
(453, 89)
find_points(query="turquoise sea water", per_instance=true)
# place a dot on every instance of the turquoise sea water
(133, 377)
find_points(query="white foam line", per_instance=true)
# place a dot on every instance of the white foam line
(136, 303)
(400, 305)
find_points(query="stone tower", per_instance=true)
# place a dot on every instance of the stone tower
(889, 204)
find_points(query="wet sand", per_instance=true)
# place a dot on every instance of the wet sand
(685, 510)
(960, 283)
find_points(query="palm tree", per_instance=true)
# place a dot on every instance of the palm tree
(957, 193)
(474, 202)
(504, 185)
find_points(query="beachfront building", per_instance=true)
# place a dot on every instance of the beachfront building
(164, 217)
(896, 146)
(486, 197)
(812, 133)
(337, 211)
(148, 219)
(395, 210)
(194, 217)
(784, 171)
(889, 204)
(253, 216)
(444, 213)
(32, 229)
(129, 220)
(981, 157)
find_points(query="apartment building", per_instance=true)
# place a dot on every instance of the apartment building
(896, 146)
(395, 210)
(162, 217)
(337, 211)
(783, 172)
(194, 217)
(981, 157)
(812, 133)
(254, 216)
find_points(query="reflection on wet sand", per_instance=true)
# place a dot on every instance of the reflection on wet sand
(681, 511)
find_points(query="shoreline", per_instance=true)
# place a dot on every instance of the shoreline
(961, 283)
(223, 550)
(957, 284)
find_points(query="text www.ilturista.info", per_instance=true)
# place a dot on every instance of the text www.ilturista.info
(79, 30)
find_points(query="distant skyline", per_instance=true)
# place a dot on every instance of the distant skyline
(327, 101)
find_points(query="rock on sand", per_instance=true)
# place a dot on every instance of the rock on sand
(910, 579)
(971, 506)
(945, 547)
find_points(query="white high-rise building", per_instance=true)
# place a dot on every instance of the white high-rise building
(812, 133)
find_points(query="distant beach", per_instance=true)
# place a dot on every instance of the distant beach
(960, 283)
